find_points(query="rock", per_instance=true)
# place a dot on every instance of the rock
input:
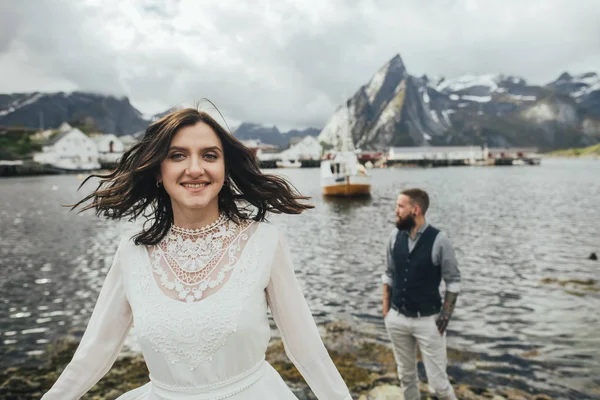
(389, 378)
(368, 368)
(516, 394)
(541, 397)
(338, 327)
(384, 392)
(18, 384)
(593, 256)
(467, 395)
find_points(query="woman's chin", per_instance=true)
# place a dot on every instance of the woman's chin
(197, 204)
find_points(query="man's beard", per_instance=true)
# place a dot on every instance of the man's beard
(406, 224)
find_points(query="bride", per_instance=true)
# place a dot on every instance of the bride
(197, 281)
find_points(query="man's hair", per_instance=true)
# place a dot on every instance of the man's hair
(418, 196)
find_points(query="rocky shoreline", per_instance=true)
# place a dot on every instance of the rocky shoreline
(366, 366)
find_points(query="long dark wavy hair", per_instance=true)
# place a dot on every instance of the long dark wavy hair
(130, 190)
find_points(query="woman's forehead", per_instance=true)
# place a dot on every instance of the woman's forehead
(196, 135)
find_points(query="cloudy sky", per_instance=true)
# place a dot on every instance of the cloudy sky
(282, 62)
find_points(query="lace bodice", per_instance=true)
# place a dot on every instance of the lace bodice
(198, 304)
(192, 264)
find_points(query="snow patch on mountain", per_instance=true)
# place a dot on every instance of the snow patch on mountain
(541, 113)
(523, 98)
(434, 116)
(446, 115)
(468, 81)
(586, 90)
(479, 99)
(376, 82)
(20, 103)
(393, 108)
(425, 95)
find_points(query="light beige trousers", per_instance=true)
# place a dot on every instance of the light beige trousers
(405, 334)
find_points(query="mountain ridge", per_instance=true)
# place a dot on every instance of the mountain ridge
(393, 108)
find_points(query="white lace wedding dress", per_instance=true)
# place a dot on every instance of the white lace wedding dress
(198, 301)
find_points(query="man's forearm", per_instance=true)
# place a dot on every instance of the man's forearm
(447, 310)
(387, 295)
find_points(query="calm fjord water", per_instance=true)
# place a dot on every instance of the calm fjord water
(514, 228)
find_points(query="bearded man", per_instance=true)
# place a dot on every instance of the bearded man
(419, 256)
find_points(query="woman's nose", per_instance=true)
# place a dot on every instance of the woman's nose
(195, 167)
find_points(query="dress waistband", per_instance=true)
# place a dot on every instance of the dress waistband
(216, 391)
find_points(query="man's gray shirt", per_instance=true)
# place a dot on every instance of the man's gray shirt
(442, 255)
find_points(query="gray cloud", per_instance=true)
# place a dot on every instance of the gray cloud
(280, 61)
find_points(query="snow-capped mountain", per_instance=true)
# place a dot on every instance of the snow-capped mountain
(493, 94)
(393, 109)
(584, 89)
(397, 109)
(108, 114)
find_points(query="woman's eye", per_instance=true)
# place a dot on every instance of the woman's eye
(211, 156)
(176, 156)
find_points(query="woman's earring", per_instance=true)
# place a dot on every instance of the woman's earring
(225, 182)
(158, 184)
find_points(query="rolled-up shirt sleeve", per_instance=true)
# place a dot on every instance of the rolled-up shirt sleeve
(386, 277)
(443, 255)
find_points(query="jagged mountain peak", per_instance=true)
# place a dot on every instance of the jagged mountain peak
(565, 76)
(386, 78)
(397, 109)
(396, 62)
(586, 78)
(584, 88)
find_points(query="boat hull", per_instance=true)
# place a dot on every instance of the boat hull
(348, 186)
(347, 190)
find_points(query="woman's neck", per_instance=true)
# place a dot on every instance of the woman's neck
(195, 219)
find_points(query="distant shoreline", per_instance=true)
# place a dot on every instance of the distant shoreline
(591, 152)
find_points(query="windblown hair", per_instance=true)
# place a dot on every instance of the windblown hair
(418, 196)
(130, 190)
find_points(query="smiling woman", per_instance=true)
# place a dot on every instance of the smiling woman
(184, 148)
(193, 174)
(199, 281)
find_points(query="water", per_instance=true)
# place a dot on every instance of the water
(512, 227)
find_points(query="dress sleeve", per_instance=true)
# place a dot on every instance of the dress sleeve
(299, 332)
(101, 342)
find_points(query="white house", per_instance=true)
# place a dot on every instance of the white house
(109, 146)
(69, 150)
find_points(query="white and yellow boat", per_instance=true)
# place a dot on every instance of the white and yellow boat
(344, 176)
